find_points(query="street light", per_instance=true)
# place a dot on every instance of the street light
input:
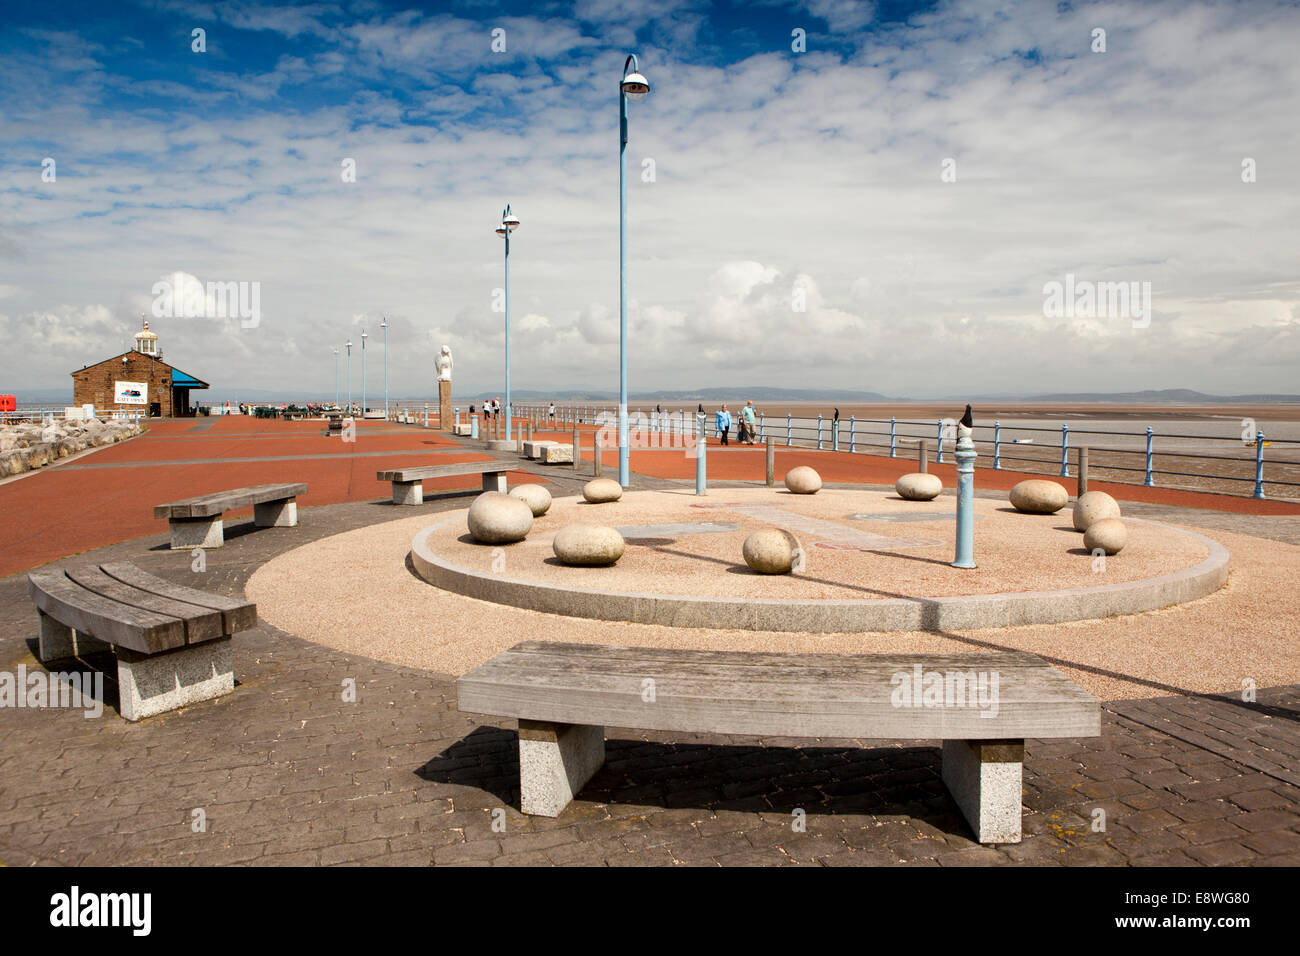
(509, 223)
(384, 325)
(336, 378)
(633, 86)
(349, 347)
(363, 374)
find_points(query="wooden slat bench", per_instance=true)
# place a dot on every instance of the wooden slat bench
(408, 483)
(197, 522)
(173, 644)
(564, 695)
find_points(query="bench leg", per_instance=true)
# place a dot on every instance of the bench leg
(276, 514)
(150, 684)
(494, 481)
(188, 533)
(555, 762)
(408, 492)
(56, 641)
(983, 776)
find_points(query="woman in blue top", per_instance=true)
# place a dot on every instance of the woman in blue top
(724, 423)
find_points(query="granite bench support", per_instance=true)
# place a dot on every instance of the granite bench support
(198, 522)
(408, 483)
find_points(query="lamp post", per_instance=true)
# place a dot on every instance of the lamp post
(384, 325)
(509, 223)
(349, 348)
(336, 378)
(965, 454)
(363, 372)
(633, 86)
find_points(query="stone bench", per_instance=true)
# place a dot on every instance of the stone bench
(197, 522)
(564, 695)
(173, 644)
(549, 452)
(408, 483)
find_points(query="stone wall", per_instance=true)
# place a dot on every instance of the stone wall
(27, 446)
(94, 385)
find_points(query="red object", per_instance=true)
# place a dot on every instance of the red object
(8, 403)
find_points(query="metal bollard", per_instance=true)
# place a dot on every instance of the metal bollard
(997, 446)
(835, 435)
(473, 426)
(1259, 464)
(893, 438)
(965, 454)
(1065, 451)
(939, 457)
(853, 425)
(924, 456)
(1083, 470)
(701, 448)
(819, 431)
(1147, 481)
(771, 462)
(787, 429)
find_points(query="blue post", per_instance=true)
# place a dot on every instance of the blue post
(762, 426)
(965, 453)
(787, 429)
(1148, 482)
(819, 431)
(701, 445)
(473, 426)
(997, 446)
(1065, 451)
(939, 457)
(508, 414)
(893, 438)
(835, 435)
(1259, 464)
(853, 424)
(623, 470)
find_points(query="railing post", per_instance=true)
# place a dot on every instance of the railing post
(893, 438)
(853, 424)
(1259, 464)
(1065, 450)
(1148, 482)
(997, 446)
(787, 429)
(771, 462)
(939, 457)
(819, 431)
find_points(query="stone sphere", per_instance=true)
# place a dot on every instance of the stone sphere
(1093, 506)
(803, 480)
(1109, 534)
(770, 551)
(600, 490)
(1039, 497)
(496, 518)
(535, 496)
(587, 544)
(918, 486)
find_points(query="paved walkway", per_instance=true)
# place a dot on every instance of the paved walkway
(286, 771)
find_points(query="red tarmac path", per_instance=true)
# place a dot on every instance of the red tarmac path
(108, 496)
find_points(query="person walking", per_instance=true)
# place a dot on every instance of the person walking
(723, 421)
(550, 413)
(747, 432)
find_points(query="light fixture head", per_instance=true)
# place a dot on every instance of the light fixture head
(509, 221)
(635, 86)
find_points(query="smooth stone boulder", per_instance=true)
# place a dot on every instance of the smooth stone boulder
(535, 496)
(770, 551)
(1108, 534)
(919, 486)
(803, 480)
(600, 490)
(587, 544)
(1093, 506)
(1039, 497)
(498, 518)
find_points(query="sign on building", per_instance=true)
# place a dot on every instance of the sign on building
(131, 393)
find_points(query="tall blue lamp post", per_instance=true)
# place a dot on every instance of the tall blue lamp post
(349, 348)
(384, 325)
(634, 86)
(965, 454)
(509, 223)
(336, 378)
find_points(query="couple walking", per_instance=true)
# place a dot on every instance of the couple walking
(746, 421)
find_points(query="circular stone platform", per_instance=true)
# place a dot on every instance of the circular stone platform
(872, 562)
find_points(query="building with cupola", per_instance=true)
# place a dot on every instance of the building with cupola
(137, 381)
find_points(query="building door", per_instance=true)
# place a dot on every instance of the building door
(155, 409)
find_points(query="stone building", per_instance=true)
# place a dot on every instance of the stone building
(136, 381)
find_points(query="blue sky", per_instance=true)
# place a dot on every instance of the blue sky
(798, 228)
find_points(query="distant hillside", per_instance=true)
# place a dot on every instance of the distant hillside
(758, 393)
(1179, 396)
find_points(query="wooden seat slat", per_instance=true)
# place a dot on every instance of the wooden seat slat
(236, 615)
(422, 472)
(103, 618)
(206, 506)
(201, 623)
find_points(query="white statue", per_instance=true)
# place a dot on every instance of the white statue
(444, 364)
